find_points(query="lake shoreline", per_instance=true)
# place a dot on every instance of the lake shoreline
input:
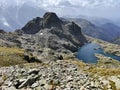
(88, 51)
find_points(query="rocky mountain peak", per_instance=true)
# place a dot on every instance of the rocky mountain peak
(50, 19)
(33, 26)
(54, 33)
(48, 15)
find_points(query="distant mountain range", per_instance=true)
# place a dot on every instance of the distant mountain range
(98, 21)
(112, 30)
(107, 31)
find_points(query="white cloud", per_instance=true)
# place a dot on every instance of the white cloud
(81, 3)
(63, 7)
(94, 3)
(4, 21)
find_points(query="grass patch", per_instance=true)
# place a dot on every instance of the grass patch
(104, 71)
(95, 69)
(82, 66)
(11, 56)
(107, 62)
(112, 84)
(4, 77)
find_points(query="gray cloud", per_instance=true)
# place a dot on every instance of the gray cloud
(104, 8)
(81, 3)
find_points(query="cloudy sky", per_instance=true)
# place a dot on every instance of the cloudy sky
(99, 8)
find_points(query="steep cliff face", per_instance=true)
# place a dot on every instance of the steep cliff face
(51, 32)
(51, 20)
(32, 26)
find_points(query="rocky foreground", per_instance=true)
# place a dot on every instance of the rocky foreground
(59, 75)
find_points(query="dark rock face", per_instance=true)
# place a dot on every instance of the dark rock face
(50, 19)
(2, 31)
(33, 26)
(51, 32)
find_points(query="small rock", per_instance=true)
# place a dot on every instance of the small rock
(60, 57)
(35, 85)
(33, 71)
(16, 83)
(28, 81)
(42, 82)
(69, 78)
(82, 88)
(8, 83)
(54, 82)
(8, 88)
(48, 87)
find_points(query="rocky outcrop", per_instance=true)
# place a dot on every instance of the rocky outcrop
(9, 39)
(58, 75)
(50, 19)
(33, 26)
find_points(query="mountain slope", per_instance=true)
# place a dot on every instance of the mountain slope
(90, 29)
(106, 32)
(98, 21)
(117, 40)
(112, 29)
(52, 32)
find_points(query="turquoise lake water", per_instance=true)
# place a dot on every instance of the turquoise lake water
(87, 53)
